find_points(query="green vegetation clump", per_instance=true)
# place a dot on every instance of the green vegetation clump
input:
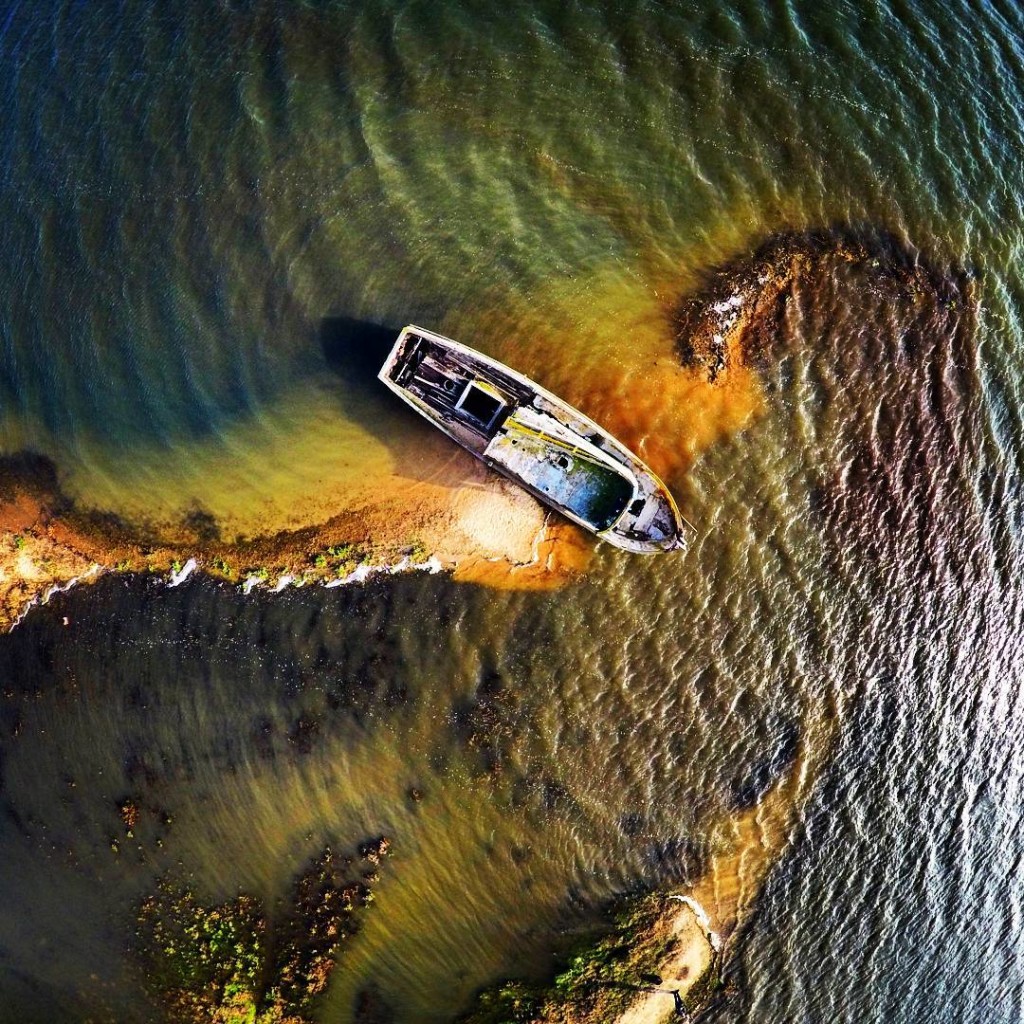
(205, 962)
(224, 964)
(418, 552)
(339, 559)
(511, 1002)
(221, 566)
(19, 541)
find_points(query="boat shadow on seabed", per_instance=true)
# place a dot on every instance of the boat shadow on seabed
(355, 351)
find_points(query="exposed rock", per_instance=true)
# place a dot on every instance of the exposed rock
(128, 809)
(736, 315)
(374, 849)
(321, 917)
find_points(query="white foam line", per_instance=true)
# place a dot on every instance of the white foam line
(29, 605)
(714, 939)
(179, 577)
(56, 588)
(358, 575)
(249, 582)
(364, 572)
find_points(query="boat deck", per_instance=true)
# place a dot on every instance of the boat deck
(563, 473)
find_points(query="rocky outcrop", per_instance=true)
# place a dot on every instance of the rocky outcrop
(735, 317)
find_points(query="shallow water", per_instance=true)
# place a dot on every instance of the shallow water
(191, 194)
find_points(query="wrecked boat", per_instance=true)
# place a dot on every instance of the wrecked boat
(556, 453)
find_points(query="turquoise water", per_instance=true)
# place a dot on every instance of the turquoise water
(189, 191)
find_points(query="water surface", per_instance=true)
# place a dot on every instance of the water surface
(190, 191)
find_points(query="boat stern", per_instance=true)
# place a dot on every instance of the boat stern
(651, 523)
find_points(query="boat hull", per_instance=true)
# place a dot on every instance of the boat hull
(532, 437)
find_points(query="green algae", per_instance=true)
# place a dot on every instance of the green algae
(224, 963)
(204, 962)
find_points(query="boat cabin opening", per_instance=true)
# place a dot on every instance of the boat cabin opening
(480, 404)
